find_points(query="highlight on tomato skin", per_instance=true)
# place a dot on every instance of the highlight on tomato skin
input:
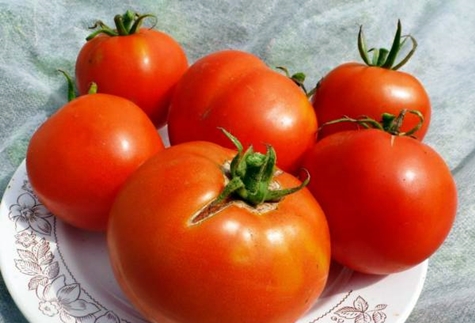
(185, 246)
(390, 200)
(80, 156)
(140, 64)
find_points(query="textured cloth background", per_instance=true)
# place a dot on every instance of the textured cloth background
(39, 37)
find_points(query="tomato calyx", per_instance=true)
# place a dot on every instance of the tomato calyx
(298, 78)
(251, 174)
(392, 124)
(389, 123)
(71, 92)
(69, 80)
(127, 24)
(250, 181)
(383, 57)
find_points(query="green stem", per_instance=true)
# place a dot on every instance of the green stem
(381, 57)
(128, 19)
(103, 29)
(409, 55)
(365, 122)
(389, 123)
(393, 124)
(71, 92)
(120, 26)
(138, 22)
(250, 177)
(362, 47)
(392, 54)
(298, 78)
(92, 88)
(127, 24)
(387, 58)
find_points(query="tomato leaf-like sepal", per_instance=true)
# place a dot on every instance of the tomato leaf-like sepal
(298, 78)
(127, 24)
(251, 174)
(386, 58)
(69, 80)
(389, 123)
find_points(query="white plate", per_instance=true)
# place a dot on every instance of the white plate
(56, 273)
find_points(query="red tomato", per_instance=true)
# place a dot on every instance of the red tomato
(235, 90)
(143, 66)
(180, 259)
(390, 201)
(355, 90)
(79, 158)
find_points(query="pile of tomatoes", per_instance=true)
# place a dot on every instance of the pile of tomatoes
(263, 184)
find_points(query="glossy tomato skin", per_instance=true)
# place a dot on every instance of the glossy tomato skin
(235, 90)
(390, 201)
(237, 265)
(79, 158)
(356, 90)
(143, 67)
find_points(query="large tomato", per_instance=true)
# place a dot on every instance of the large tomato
(370, 89)
(79, 158)
(184, 253)
(139, 64)
(390, 201)
(237, 91)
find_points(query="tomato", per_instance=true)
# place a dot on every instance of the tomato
(79, 158)
(390, 201)
(235, 90)
(356, 89)
(182, 254)
(140, 64)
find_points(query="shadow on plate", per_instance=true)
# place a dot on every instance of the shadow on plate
(340, 278)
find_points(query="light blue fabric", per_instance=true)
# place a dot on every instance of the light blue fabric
(39, 37)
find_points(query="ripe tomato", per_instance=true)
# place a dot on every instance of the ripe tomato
(181, 256)
(371, 89)
(235, 90)
(390, 201)
(79, 158)
(139, 64)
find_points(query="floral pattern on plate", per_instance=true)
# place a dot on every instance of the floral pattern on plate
(57, 295)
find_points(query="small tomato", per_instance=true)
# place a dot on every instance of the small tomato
(79, 157)
(371, 89)
(139, 64)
